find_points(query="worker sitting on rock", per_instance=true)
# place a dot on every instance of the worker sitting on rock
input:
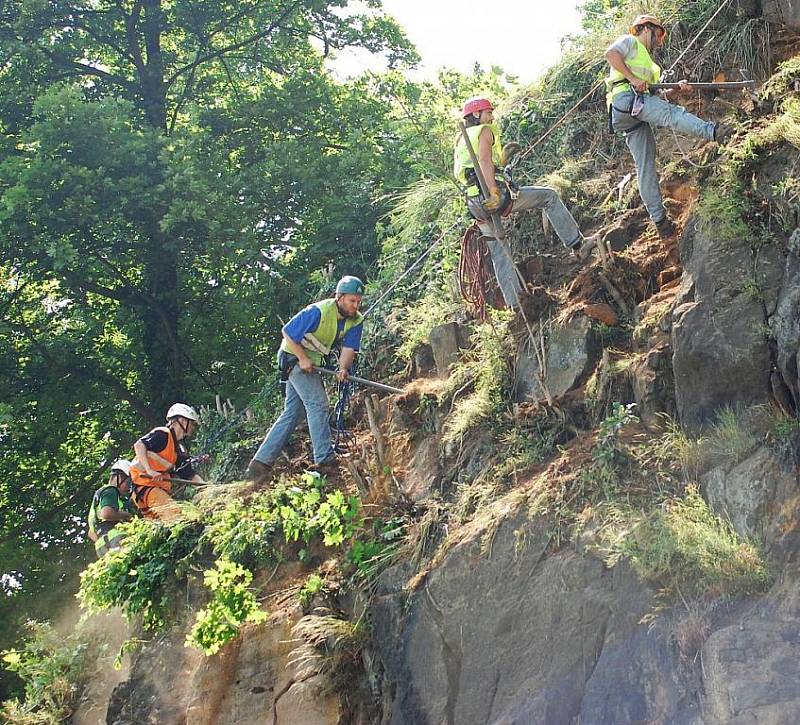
(484, 136)
(111, 504)
(634, 111)
(159, 456)
(308, 339)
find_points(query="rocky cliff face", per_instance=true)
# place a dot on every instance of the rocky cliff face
(512, 623)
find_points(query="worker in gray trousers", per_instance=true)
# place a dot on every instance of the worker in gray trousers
(633, 111)
(484, 137)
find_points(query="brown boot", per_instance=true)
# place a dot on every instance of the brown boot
(257, 472)
(326, 467)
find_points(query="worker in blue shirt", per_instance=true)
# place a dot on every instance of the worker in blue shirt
(308, 339)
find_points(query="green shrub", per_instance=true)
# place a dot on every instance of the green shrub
(232, 604)
(141, 576)
(731, 438)
(418, 321)
(313, 586)
(608, 434)
(243, 531)
(373, 552)
(54, 669)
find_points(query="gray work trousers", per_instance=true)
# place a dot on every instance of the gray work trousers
(642, 142)
(530, 197)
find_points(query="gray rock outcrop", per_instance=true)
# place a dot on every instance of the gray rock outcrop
(570, 352)
(501, 633)
(782, 11)
(722, 355)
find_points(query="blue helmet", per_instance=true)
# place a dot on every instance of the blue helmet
(349, 285)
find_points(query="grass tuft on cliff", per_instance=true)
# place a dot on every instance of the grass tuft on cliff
(689, 551)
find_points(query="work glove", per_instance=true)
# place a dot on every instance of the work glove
(510, 150)
(494, 201)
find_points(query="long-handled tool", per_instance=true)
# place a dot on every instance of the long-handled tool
(361, 381)
(726, 86)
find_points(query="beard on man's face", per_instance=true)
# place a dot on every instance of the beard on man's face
(343, 312)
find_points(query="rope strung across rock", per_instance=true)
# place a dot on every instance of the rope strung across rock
(413, 266)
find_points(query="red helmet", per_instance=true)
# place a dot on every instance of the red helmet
(476, 104)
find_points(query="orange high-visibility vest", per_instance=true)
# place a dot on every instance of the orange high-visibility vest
(163, 462)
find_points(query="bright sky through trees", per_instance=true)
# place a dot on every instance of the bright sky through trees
(521, 36)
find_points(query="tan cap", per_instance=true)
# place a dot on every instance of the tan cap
(640, 20)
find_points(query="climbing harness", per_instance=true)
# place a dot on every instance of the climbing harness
(599, 83)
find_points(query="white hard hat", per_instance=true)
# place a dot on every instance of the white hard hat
(122, 465)
(184, 411)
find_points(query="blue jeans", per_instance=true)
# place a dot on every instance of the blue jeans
(303, 391)
(642, 142)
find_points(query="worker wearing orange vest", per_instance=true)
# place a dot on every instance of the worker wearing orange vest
(633, 111)
(160, 457)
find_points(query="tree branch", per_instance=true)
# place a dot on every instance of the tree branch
(235, 46)
(89, 70)
(75, 367)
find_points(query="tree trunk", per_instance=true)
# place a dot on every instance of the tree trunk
(162, 345)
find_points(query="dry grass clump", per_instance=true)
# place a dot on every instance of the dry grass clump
(328, 646)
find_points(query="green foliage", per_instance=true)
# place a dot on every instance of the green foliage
(607, 449)
(243, 531)
(690, 551)
(232, 604)
(141, 576)
(420, 318)
(305, 511)
(722, 212)
(136, 197)
(732, 437)
(782, 85)
(783, 427)
(313, 586)
(373, 551)
(484, 368)
(54, 668)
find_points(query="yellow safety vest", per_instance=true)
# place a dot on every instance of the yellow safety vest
(462, 162)
(641, 65)
(318, 343)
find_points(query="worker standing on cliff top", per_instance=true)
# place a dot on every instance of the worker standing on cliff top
(633, 110)
(308, 339)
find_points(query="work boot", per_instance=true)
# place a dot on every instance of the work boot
(722, 132)
(665, 228)
(329, 465)
(584, 247)
(257, 472)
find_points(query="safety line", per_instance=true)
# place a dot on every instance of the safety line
(597, 85)
(416, 263)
